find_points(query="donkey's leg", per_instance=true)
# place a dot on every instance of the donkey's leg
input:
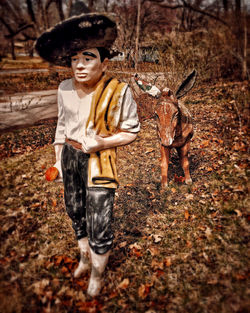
(165, 152)
(183, 155)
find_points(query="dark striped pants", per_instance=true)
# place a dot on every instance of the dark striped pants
(90, 209)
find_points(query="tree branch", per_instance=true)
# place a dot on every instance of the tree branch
(189, 6)
(14, 33)
(10, 30)
(30, 10)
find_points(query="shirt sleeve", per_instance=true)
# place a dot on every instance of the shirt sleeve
(129, 120)
(60, 129)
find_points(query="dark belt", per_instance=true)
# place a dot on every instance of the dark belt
(74, 144)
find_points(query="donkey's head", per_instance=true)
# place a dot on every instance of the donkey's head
(167, 117)
(167, 110)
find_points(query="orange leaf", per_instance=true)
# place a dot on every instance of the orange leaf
(144, 290)
(58, 260)
(124, 284)
(239, 146)
(156, 265)
(81, 283)
(64, 270)
(136, 252)
(179, 179)
(186, 214)
(205, 143)
(68, 260)
(54, 203)
(89, 306)
(168, 262)
(159, 273)
(240, 276)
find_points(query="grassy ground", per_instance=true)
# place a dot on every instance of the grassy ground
(184, 249)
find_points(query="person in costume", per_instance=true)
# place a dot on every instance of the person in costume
(96, 114)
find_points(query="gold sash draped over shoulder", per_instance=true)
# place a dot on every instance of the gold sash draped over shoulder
(104, 120)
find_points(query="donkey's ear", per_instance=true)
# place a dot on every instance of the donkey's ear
(186, 85)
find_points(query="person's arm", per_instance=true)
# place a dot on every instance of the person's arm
(98, 143)
(129, 127)
(60, 135)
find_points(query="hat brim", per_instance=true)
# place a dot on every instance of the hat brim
(84, 31)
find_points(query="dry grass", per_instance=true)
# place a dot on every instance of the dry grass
(181, 250)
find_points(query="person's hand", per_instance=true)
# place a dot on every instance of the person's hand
(59, 178)
(93, 144)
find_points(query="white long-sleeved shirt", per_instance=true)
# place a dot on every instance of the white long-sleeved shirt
(73, 113)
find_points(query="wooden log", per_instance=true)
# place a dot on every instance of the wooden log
(23, 101)
(27, 109)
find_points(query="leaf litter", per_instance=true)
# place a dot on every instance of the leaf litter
(183, 249)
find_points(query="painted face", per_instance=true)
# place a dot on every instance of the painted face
(87, 66)
(167, 119)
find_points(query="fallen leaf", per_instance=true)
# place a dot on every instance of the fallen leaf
(64, 270)
(208, 233)
(154, 251)
(174, 223)
(189, 197)
(149, 150)
(144, 290)
(206, 257)
(157, 265)
(238, 212)
(58, 259)
(54, 202)
(205, 143)
(168, 262)
(124, 284)
(240, 276)
(157, 238)
(213, 281)
(136, 252)
(159, 273)
(123, 244)
(135, 245)
(179, 179)
(186, 214)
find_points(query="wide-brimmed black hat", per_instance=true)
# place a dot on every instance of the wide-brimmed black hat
(76, 33)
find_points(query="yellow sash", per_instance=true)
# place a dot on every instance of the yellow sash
(103, 120)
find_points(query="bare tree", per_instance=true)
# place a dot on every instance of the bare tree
(194, 14)
(25, 20)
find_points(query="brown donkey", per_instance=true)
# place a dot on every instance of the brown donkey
(174, 122)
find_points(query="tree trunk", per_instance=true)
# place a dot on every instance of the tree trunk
(137, 32)
(225, 5)
(59, 9)
(237, 7)
(91, 5)
(244, 65)
(13, 49)
(31, 11)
